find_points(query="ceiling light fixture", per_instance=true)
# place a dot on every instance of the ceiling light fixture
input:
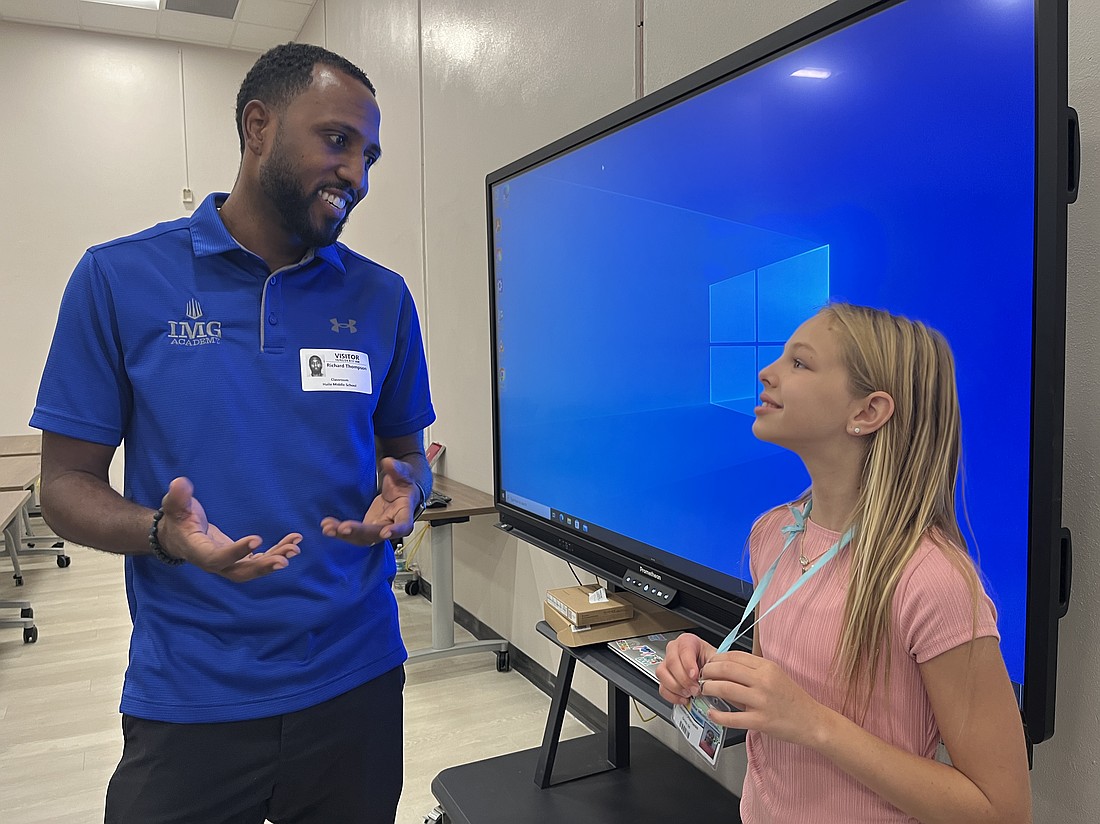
(152, 5)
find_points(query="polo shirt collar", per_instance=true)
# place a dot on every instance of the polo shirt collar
(210, 237)
(331, 255)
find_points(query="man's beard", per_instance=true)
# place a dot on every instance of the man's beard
(278, 182)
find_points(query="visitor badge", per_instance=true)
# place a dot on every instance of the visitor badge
(335, 370)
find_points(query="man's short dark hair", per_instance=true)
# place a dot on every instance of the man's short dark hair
(284, 72)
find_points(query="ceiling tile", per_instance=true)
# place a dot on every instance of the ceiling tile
(260, 38)
(280, 14)
(260, 23)
(60, 12)
(118, 19)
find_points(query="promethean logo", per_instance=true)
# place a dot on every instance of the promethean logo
(194, 332)
(650, 573)
(337, 326)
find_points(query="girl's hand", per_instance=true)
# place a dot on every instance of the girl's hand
(767, 697)
(678, 674)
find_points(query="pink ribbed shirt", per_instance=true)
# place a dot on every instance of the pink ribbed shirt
(932, 613)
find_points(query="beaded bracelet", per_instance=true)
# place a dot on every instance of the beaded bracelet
(154, 542)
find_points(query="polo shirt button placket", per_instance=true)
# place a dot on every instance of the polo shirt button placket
(275, 337)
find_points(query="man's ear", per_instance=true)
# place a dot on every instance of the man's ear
(257, 124)
(871, 414)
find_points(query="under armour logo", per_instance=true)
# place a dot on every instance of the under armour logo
(337, 326)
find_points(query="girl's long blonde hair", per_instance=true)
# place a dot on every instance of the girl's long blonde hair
(908, 477)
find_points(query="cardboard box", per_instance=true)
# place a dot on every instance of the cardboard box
(647, 619)
(573, 604)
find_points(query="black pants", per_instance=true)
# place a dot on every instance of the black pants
(336, 763)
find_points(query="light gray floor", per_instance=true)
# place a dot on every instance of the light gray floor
(59, 722)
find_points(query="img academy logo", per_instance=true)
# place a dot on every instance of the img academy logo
(193, 331)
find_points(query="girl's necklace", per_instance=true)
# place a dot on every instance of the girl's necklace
(809, 570)
(802, 559)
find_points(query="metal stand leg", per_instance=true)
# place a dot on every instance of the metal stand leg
(27, 543)
(25, 619)
(443, 606)
(618, 727)
(11, 541)
(554, 720)
(590, 760)
(443, 597)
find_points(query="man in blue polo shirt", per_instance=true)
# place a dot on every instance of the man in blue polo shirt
(245, 359)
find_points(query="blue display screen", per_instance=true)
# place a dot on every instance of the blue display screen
(642, 279)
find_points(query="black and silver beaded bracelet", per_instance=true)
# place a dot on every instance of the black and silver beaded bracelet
(154, 542)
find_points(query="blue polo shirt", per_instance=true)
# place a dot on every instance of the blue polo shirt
(267, 390)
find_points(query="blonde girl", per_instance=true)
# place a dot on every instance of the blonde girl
(891, 644)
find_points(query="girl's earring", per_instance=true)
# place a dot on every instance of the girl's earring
(856, 430)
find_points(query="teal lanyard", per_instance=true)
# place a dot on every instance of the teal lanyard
(791, 531)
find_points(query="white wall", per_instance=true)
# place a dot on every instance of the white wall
(92, 148)
(388, 226)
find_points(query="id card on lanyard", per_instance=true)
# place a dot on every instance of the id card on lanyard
(693, 722)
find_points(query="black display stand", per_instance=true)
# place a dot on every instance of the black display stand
(620, 775)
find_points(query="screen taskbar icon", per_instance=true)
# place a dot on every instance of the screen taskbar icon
(568, 521)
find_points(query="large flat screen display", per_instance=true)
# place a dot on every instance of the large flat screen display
(644, 269)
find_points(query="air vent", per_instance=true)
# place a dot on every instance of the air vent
(211, 8)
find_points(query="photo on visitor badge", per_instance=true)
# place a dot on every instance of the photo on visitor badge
(704, 736)
(335, 370)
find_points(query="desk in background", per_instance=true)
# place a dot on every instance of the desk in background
(465, 503)
(20, 473)
(20, 445)
(12, 504)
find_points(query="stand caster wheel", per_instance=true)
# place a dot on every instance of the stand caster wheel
(412, 586)
(26, 612)
(63, 560)
(504, 663)
(30, 635)
(18, 580)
